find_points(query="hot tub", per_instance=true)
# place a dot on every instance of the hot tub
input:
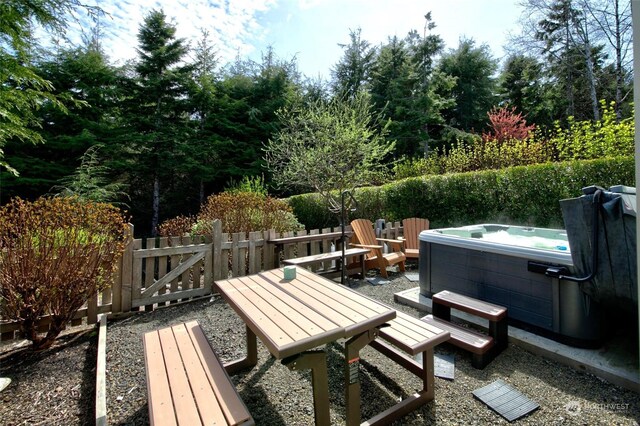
(516, 267)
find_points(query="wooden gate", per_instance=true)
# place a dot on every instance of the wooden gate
(175, 270)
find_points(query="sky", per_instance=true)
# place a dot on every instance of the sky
(310, 30)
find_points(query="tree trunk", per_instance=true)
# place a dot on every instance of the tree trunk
(592, 79)
(201, 192)
(618, 48)
(155, 205)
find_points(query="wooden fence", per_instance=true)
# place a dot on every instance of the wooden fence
(156, 272)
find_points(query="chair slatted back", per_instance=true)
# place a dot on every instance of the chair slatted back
(411, 228)
(363, 230)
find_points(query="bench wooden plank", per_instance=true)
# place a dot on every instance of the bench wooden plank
(187, 384)
(472, 306)
(185, 407)
(318, 258)
(207, 404)
(160, 404)
(462, 337)
(411, 334)
(233, 408)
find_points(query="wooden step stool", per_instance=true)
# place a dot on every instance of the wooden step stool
(484, 348)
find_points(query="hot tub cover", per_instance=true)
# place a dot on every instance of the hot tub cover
(616, 281)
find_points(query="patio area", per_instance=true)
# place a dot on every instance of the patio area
(277, 396)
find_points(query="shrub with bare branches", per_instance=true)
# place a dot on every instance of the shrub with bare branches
(246, 212)
(55, 254)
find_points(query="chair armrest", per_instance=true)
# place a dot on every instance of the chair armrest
(365, 246)
(388, 240)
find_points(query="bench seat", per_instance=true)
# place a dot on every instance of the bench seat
(186, 382)
(464, 338)
(412, 336)
(328, 257)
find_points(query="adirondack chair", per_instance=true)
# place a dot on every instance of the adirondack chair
(366, 238)
(411, 228)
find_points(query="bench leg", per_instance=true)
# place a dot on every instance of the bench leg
(249, 361)
(316, 361)
(352, 372)
(428, 374)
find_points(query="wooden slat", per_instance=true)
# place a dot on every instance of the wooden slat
(101, 374)
(217, 250)
(235, 255)
(185, 406)
(207, 404)
(412, 335)
(149, 269)
(171, 251)
(350, 309)
(411, 229)
(174, 259)
(127, 274)
(162, 266)
(187, 258)
(182, 269)
(314, 248)
(269, 321)
(326, 248)
(136, 282)
(208, 269)
(233, 408)
(172, 297)
(161, 410)
(252, 253)
(225, 256)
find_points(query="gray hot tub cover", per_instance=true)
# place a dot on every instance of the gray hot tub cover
(615, 282)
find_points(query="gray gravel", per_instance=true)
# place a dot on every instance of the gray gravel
(277, 396)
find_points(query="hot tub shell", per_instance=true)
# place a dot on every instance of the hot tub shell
(461, 260)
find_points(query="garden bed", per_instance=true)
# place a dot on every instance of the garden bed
(58, 386)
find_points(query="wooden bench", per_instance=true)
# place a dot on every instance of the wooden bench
(484, 348)
(186, 382)
(411, 336)
(328, 257)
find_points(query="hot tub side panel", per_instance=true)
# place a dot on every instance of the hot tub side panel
(492, 277)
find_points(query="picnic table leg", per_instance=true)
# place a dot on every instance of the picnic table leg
(352, 371)
(428, 374)
(248, 361)
(316, 361)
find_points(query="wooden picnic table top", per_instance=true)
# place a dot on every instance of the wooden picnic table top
(291, 316)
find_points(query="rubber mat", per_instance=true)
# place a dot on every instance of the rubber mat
(378, 281)
(444, 366)
(412, 276)
(505, 400)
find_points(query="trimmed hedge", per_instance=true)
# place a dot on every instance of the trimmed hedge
(525, 195)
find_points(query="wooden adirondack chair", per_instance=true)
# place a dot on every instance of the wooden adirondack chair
(411, 228)
(366, 238)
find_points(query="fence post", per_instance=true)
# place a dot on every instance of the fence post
(217, 249)
(127, 274)
(269, 261)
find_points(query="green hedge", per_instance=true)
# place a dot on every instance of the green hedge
(526, 195)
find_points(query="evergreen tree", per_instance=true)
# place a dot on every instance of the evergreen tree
(523, 86)
(352, 73)
(159, 112)
(22, 90)
(475, 89)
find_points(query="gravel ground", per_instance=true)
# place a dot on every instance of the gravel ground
(56, 387)
(51, 387)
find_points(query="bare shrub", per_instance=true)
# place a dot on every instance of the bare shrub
(55, 254)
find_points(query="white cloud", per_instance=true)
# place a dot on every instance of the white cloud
(232, 24)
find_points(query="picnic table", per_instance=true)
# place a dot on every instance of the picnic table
(292, 317)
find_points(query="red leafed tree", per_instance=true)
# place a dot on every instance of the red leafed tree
(507, 125)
